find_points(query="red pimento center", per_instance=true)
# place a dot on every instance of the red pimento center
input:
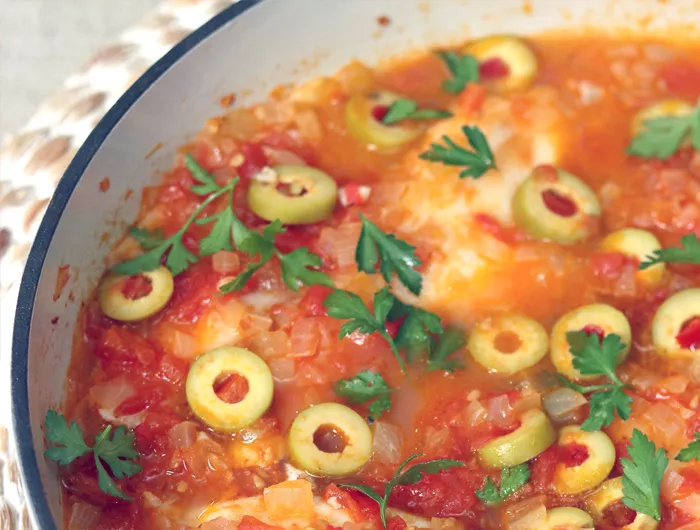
(573, 454)
(494, 68)
(136, 287)
(689, 335)
(507, 342)
(618, 515)
(379, 112)
(231, 388)
(591, 329)
(559, 204)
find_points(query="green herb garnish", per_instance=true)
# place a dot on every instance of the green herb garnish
(512, 479)
(475, 163)
(406, 109)
(662, 137)
(691, 452)
(378, 250)
(411, 476)
(116, 451)
(641, 476)
(689, 252)
(464, 69)
(363, 387)
(593, 357)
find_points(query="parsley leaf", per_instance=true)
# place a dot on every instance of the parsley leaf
(116, 452)
(689, 252)
(69, 437)
(348, 306)
(363, 387)
(692, 452)
(179, 258)
(476, 162)
(220, 236)
(403, 109)
(297, 269)
(641, 477)
(603, 406)
(512, 479)
(593, 357)
(412, 476)
(207, 182)
(414, 334)
(297, 266)
(376, 247)
(663, 136)
(448, 343)
(148, 239)
(464, 69)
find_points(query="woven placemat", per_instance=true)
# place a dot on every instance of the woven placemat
(33, 161)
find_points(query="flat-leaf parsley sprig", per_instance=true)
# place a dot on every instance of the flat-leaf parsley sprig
(512, 479)
(464, 70)
(594, 357)
(115, 449)
(179, 258)
(363, 387)
(689, 252)
(412, 476)
(662, 137)
(378, 251)
(475, 163)
(641, 475)
(406, 109)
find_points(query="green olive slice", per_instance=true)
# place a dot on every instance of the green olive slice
(672, 322)
(221, 415)
(534, 435)
(330, 440)
(637, 244)
(565, 518)
(555, 205)
(293, 194)
(117, 302)
(599, 459)
(515, 55)
(508, 343)
(661, 109)
(609, 494)
(594, 318)
(361, 113)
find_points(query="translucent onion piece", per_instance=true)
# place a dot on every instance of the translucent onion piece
(110, 394)
(225, 262)
(290, 499)
(388, 442)
(690, 505)
(184, 345)
(475, 413)
(83, 516)
(500, 412)
(269, 345)
(183, 435)
(262, 301)
(671, 481)
(561, 403)
(526, 515)
(282, 369)
(304, 338)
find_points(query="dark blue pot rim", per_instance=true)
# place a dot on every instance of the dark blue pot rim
(33, 488)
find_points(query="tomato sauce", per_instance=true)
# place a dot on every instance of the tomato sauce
(598, 84)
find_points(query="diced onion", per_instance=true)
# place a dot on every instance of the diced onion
(674, 384)
(695, 525)
(694, 370)
(83, 516)
(387, 444)
(528, 401)
(258, 323)
(290, 499)
(304, 338)
(130, 422)
(499, 411)
(277, 157)
(110, 394)
(225, 262)
(339, 244)
(231, 313)
(437, 441)
(269, 345)
(183, 344)
(475, 413)
(527, 515)
(183, 435)
(262, 301)
(220, 523)
(282, 369)
(665, 421)
(690, 505)
(671, 481)
(561, 403)
(309, 126)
